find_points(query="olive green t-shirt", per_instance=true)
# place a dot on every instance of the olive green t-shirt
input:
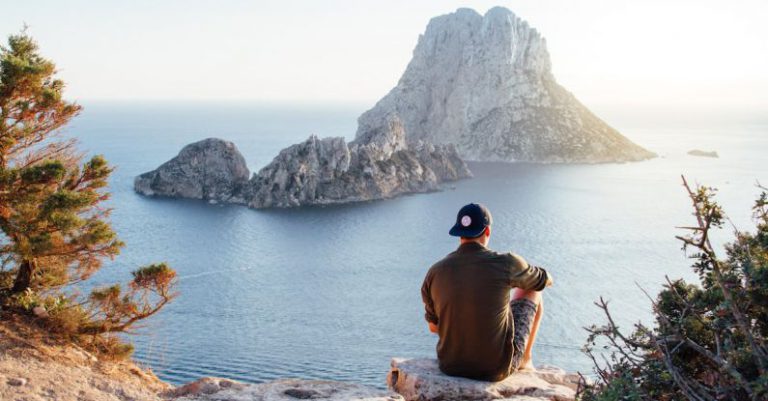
(467, 295)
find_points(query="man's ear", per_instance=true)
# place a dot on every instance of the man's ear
(487, 231)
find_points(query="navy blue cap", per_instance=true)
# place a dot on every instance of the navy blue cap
(471, 221)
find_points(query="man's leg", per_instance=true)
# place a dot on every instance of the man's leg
(534, 296)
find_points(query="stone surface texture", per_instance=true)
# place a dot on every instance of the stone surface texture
(484, 83)
(215, 389)
(212, 169)
(421, 379)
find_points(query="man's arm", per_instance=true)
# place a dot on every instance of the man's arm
(527, 276)
(429, 308)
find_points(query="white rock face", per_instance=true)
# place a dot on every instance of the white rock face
(377, 165)
(215, 389)
(484, 83)
(422, 380)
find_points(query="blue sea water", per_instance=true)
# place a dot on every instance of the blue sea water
(333, 292)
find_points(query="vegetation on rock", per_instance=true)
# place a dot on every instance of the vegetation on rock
(55, 228)
(709, 339)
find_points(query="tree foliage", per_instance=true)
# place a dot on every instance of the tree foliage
(55, 228)
(709, 339)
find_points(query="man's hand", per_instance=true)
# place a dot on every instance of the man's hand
(432, 327)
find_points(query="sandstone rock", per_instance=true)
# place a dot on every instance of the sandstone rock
(210, 389)
(421, 379)
(377, 165)
(484, 83)
(211, 169)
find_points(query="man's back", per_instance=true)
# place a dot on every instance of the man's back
(467, 295)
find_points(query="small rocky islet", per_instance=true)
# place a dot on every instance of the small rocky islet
(315, 172)
(478, 88)
(703, 153)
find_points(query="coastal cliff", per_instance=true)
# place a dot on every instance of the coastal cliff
(35, 367)
(484, 83)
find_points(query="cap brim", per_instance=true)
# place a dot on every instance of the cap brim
(459, 231)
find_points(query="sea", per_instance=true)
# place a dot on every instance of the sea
(334, 292)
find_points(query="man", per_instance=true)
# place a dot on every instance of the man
(483, 335)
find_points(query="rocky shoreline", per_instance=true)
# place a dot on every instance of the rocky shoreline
(67, 373)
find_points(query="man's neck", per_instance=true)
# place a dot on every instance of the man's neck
(484, 244)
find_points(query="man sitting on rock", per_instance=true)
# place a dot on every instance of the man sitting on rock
(466, 295)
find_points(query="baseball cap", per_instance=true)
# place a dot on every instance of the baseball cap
(471, 221)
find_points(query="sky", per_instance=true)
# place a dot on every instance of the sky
(648, 54)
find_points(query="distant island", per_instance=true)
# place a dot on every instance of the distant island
(314, 172)
(703, 153)
(479, 87)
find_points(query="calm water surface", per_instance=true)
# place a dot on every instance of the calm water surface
(333, 293)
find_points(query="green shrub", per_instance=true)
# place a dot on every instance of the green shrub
(709, 338)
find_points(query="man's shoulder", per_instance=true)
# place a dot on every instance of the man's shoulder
(514, 260)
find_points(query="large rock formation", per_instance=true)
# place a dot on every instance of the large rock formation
(211, 169)
(377, 165)
(484, 83)
(478, 88)
(421, 380)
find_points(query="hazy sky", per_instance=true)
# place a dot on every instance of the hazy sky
(643, 53)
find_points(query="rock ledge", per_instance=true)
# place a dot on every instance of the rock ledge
(216, 389)
(422, 380)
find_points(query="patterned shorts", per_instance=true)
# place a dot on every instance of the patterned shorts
(523, 312)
